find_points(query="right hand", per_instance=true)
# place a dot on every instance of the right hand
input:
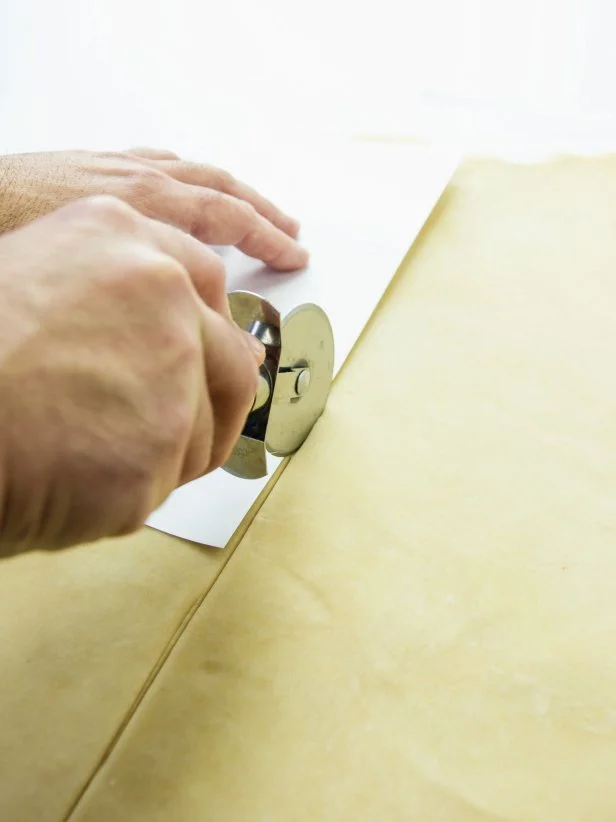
(122, 374)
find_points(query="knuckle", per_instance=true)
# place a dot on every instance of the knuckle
(152, 152)
(268, 247)
(107, 209)
(222, 179)
(112, 155)
(165, 278)
(212, 197)
(143, 183)
(246, 212)
(154, 284)
(208, 212)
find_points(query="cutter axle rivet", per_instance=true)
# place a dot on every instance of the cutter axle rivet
(303, 382)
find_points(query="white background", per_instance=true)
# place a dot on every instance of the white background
(514, 78)
(491, 75)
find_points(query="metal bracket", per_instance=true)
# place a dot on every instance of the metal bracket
(294, 380)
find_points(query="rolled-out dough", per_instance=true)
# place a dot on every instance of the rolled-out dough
(420, 623)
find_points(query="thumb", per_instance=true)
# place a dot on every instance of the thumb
(232, 358)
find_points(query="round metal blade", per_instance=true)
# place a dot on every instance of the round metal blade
(250, 310)
(307, 342)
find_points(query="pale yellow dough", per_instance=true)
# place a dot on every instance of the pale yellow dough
(420, 623)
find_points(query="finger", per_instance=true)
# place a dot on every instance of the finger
(198, 453)
(204, 267)
(210, 177)
(231, 373)
(210, 445)
(146, 153)
(219, 219)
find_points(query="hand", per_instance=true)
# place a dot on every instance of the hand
(203, 201)
(121, 372)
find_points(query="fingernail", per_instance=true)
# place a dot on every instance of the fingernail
(256, 345)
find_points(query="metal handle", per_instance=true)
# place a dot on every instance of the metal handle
(294, 380)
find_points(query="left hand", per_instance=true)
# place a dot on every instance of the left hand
(202, 200)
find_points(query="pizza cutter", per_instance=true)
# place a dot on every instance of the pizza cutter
(294, 380)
